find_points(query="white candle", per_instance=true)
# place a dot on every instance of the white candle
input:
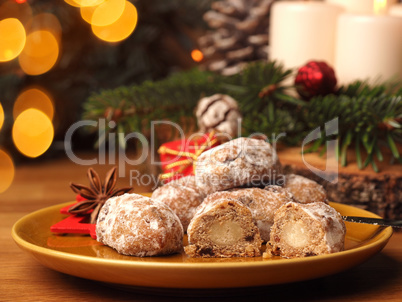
(368, 47)
(396, 10)
(363, 6)
(302, 31)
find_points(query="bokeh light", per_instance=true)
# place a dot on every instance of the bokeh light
(34, 98)
(197, 55)
(12, 39)
(87, 3)
(32, 132)
(1, 116)
(84, 3)
(72, 3)
(47, 22)
(108, 12)
(120, 29)
(40, 53)
(87, 13)
(7, 171)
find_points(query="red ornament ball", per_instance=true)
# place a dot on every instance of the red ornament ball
(315, 78)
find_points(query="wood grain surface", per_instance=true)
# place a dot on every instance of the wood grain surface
(40, 184)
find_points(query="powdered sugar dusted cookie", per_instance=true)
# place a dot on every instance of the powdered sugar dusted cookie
(302, 230)
(136, 225)
(223, 227)
(242, 161)
(182, 196)
(263, 203)
(305, 190)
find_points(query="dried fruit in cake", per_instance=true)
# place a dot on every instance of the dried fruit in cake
(302, 230)
(136, 225)
(223, 227)
(305, 190)
(263, 203)
(240, 162)
(182, 196)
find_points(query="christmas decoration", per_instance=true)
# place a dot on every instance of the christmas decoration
(74, 224)
(134, 107)
(219, 112)
(95, 195)
(138, 105)
(239, 34)
(267, 108)
(83, 214)
(315, 78)
(369, 120)
(178, 157)
(369, 132)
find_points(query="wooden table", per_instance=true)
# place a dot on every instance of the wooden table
(45, 183)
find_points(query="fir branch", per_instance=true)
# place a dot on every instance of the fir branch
(175, 97)
(369, 117)
(263, 99)
(134, 107)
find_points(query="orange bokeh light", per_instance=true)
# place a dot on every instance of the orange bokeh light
(87, 13)
(197, 55)
(7, 171)
(32, 132)
(45, 21)
(34, 98)
(88, 3)
(1, 116)
(72, 3)
(40, 53)
(108, 12)
(121, 29)
(12, 39)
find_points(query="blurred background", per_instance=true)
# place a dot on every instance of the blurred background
(54, 54)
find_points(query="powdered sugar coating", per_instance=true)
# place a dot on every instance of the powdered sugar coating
(305, 190)
(182, 196)
(242, 161)
(331, 221)
(317, 221)
(136, 225)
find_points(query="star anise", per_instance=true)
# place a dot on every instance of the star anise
(97, 194)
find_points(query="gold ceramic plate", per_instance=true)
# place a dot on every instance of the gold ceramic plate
(81, 256)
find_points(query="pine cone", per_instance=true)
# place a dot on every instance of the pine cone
(238, 35)
(219, 113)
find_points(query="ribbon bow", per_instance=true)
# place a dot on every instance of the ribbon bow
(191, 158)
